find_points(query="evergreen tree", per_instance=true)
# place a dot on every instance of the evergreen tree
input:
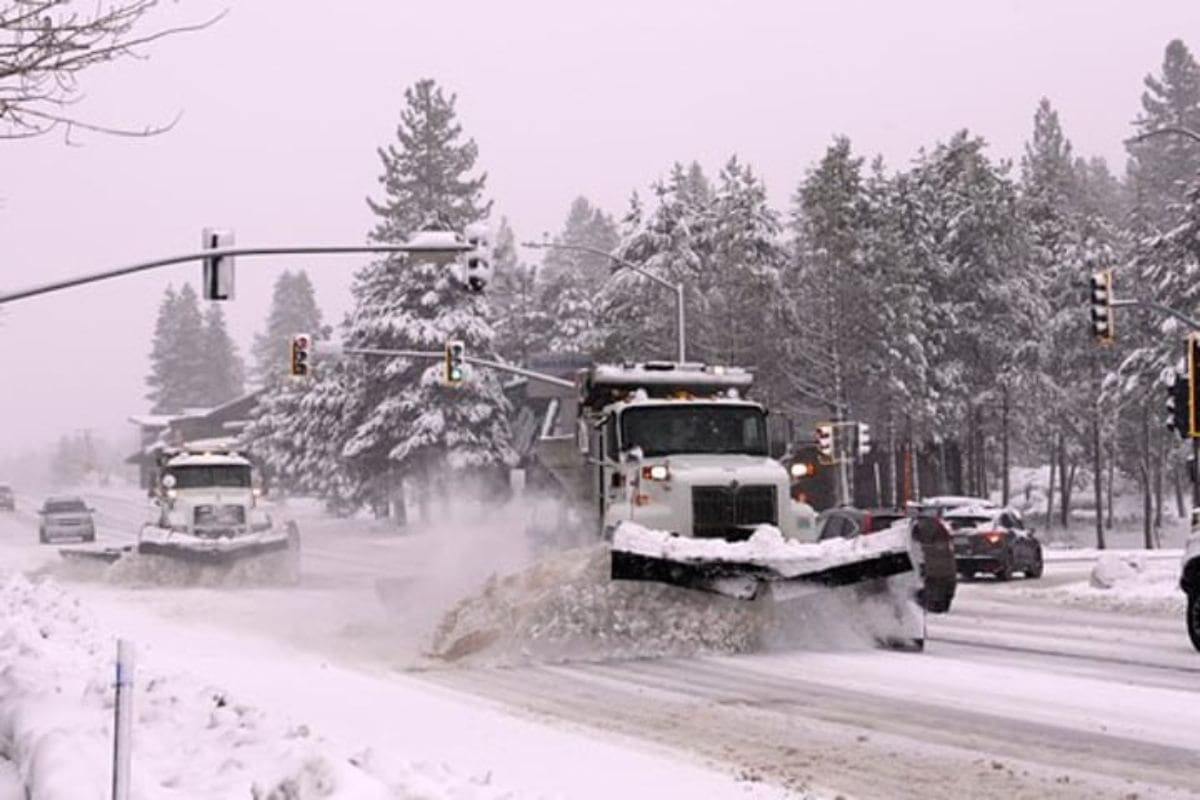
(160, 381)
(426, 173)
(293, 310)
(572, 279)
(638, 322)
(740, 287)
(224, 371)
(387, 421)
(1162, 167)
(522, 325)
(178, 366)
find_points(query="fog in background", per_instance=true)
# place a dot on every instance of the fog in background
(285, 103)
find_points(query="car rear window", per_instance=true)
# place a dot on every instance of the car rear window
(64, 506)
(958, 523)
(881, 522)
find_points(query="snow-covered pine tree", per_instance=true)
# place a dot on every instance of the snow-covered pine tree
(160, 381)
(427, 172)
(405, 424)
(1069, 239)
(571, 280)
(293, 310)
(829, 228)
(522, 325)
(741, 285)
(1162, 167)
(178, 369)
(224, 371)
(672, 241)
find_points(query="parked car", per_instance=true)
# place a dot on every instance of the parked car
(934, 553)
(66, 517)
(7, 501)
(993, 540)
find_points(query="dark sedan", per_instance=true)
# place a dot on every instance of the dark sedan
(993, 541)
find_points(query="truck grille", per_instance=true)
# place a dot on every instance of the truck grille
(723, 512)
(220, 516)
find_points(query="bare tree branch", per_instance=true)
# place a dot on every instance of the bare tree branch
(45, 45)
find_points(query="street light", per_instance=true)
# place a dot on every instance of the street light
(681, 329)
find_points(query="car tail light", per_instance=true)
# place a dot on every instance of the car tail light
(866, 523)
(992, 537)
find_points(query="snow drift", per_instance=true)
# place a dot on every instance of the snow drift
(190, 739)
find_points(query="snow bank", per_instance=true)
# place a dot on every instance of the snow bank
(1127, 582)
(190, 739)
(767, 547)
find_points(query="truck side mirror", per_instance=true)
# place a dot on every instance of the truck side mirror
(583, 438)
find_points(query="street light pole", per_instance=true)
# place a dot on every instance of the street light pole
(677, 288)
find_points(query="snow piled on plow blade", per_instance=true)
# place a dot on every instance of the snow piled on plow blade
(743, 569)
(567, 607)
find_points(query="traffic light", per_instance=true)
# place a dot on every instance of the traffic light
(864, 440)
(455, 351)
(1102, 307)
(1177, 405)
(299, 351)
(217, 277)
(477, 267)
(825, 442)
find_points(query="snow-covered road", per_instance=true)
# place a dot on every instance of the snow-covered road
(1027, 689)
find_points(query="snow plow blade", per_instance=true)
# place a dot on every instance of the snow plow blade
(742, 569)
(211, 555)
(745, 580)
(107, 555)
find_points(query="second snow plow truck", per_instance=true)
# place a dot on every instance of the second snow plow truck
(207, 525)
(672, 462)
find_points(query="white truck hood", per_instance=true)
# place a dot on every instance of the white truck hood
(721, 470)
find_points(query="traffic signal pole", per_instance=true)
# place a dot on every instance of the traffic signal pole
(220, 252)
(438, 355)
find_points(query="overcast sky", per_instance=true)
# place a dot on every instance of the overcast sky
(285, 102)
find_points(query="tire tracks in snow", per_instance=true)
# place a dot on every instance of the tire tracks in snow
(800, 734)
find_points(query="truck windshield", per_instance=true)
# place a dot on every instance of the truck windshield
(695, 428)
(231, 475)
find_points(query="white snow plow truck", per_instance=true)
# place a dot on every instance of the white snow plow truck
(207, 516)
(673, 461)
(209, 512)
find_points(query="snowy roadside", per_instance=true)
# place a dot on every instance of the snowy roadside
(191, 739)
(1125, 581)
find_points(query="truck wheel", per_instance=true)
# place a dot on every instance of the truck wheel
(1193, 617)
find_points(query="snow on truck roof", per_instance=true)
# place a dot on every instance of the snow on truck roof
(667, 373)
(605, 384)
(208, 460)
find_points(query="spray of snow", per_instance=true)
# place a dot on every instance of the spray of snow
(567, 608)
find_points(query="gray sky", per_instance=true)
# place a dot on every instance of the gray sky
(285, 102)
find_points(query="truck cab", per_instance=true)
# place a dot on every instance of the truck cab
(678, 448)
(209, 496)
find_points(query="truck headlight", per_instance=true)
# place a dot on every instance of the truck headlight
(801, 470)
(656, 472)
